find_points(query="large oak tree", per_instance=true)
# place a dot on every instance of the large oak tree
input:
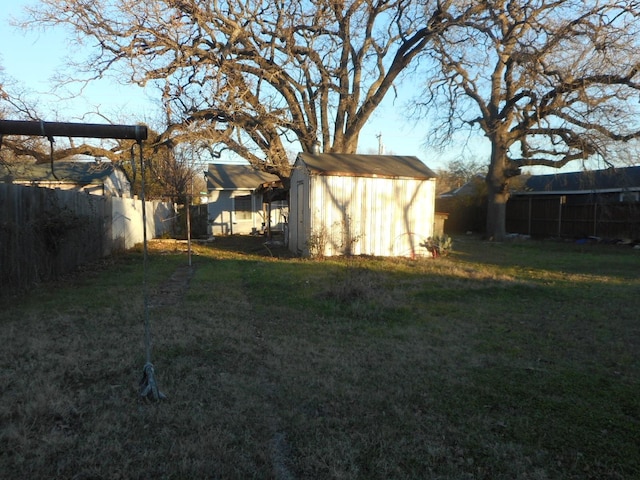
(252, 76)
(173, 169)
(547, 82)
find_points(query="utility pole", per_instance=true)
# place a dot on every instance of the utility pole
(380, 144)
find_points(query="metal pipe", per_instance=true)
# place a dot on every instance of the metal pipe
(60, 129)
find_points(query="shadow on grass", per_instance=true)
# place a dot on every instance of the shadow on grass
(257, 245)
(620, 261)
(355, 368)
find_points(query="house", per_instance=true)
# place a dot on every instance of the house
(94, 177)
(465, 206)
(237, 203)
(597, 203)
(379, 205)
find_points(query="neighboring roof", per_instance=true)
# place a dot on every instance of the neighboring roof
(222, 176)
(611, 179)
(386, 166)
(471, 188)
(82, 173)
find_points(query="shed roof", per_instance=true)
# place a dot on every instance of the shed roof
(611, 179)
(222, 176)
(66, 171)
(386, 166)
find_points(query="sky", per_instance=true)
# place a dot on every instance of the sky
(32, 58)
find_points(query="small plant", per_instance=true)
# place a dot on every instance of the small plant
(339, 235)
(53, 226)
(317, 242)
(439, 245)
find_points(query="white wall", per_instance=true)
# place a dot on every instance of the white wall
(222, 218)
(127, 227)
(362, 216)
(299, 213)
(220, 213)
(117, 184)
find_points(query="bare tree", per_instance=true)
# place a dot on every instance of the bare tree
(253, 76)
(177, 170)
(16, 103)
(171, 169)
(547, 82)
(459, 171)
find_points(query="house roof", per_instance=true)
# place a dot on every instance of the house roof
(611, 179)
(468, 189)
(386, 166)
(82, 173)
(222, 176)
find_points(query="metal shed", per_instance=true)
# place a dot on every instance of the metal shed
(380, 205)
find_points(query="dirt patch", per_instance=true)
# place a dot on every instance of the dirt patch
(251, 245)
(256, 245)
(172, 291)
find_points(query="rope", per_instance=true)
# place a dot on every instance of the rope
(51, 142)
(145, 260)
(133, 163)
(148, 385)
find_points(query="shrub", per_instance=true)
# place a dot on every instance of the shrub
(438, 245)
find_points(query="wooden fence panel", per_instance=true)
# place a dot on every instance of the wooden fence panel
(45, 233)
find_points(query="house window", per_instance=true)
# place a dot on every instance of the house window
(243, 207)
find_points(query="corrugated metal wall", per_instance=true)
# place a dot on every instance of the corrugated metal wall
(371, 216)
(299, 228)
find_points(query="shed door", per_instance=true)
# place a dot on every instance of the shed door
(300, 227)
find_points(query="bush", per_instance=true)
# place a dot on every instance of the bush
(438, 245)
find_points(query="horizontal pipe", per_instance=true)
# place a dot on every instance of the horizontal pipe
(60, 129)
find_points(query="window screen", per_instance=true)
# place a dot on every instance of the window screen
(243, 207)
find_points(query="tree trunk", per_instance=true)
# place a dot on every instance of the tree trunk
(497, 193)
(344, 144)
(496, 213)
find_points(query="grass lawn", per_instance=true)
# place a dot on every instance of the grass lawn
(500, 361)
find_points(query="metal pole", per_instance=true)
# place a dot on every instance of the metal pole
(529, 219)
(148, 385)
(561, 202)
(188, 206)
(61, 129)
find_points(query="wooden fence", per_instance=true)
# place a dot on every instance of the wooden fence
(45, 233)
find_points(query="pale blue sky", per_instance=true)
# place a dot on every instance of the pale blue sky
(32, 58)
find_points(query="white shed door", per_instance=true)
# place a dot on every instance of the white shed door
(300, 227)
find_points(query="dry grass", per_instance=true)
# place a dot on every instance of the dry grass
(498, 362)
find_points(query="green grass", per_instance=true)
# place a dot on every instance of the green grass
(501, 361)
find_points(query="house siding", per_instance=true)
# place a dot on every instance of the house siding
(93, 178)
(222, 216)
(361, 215)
